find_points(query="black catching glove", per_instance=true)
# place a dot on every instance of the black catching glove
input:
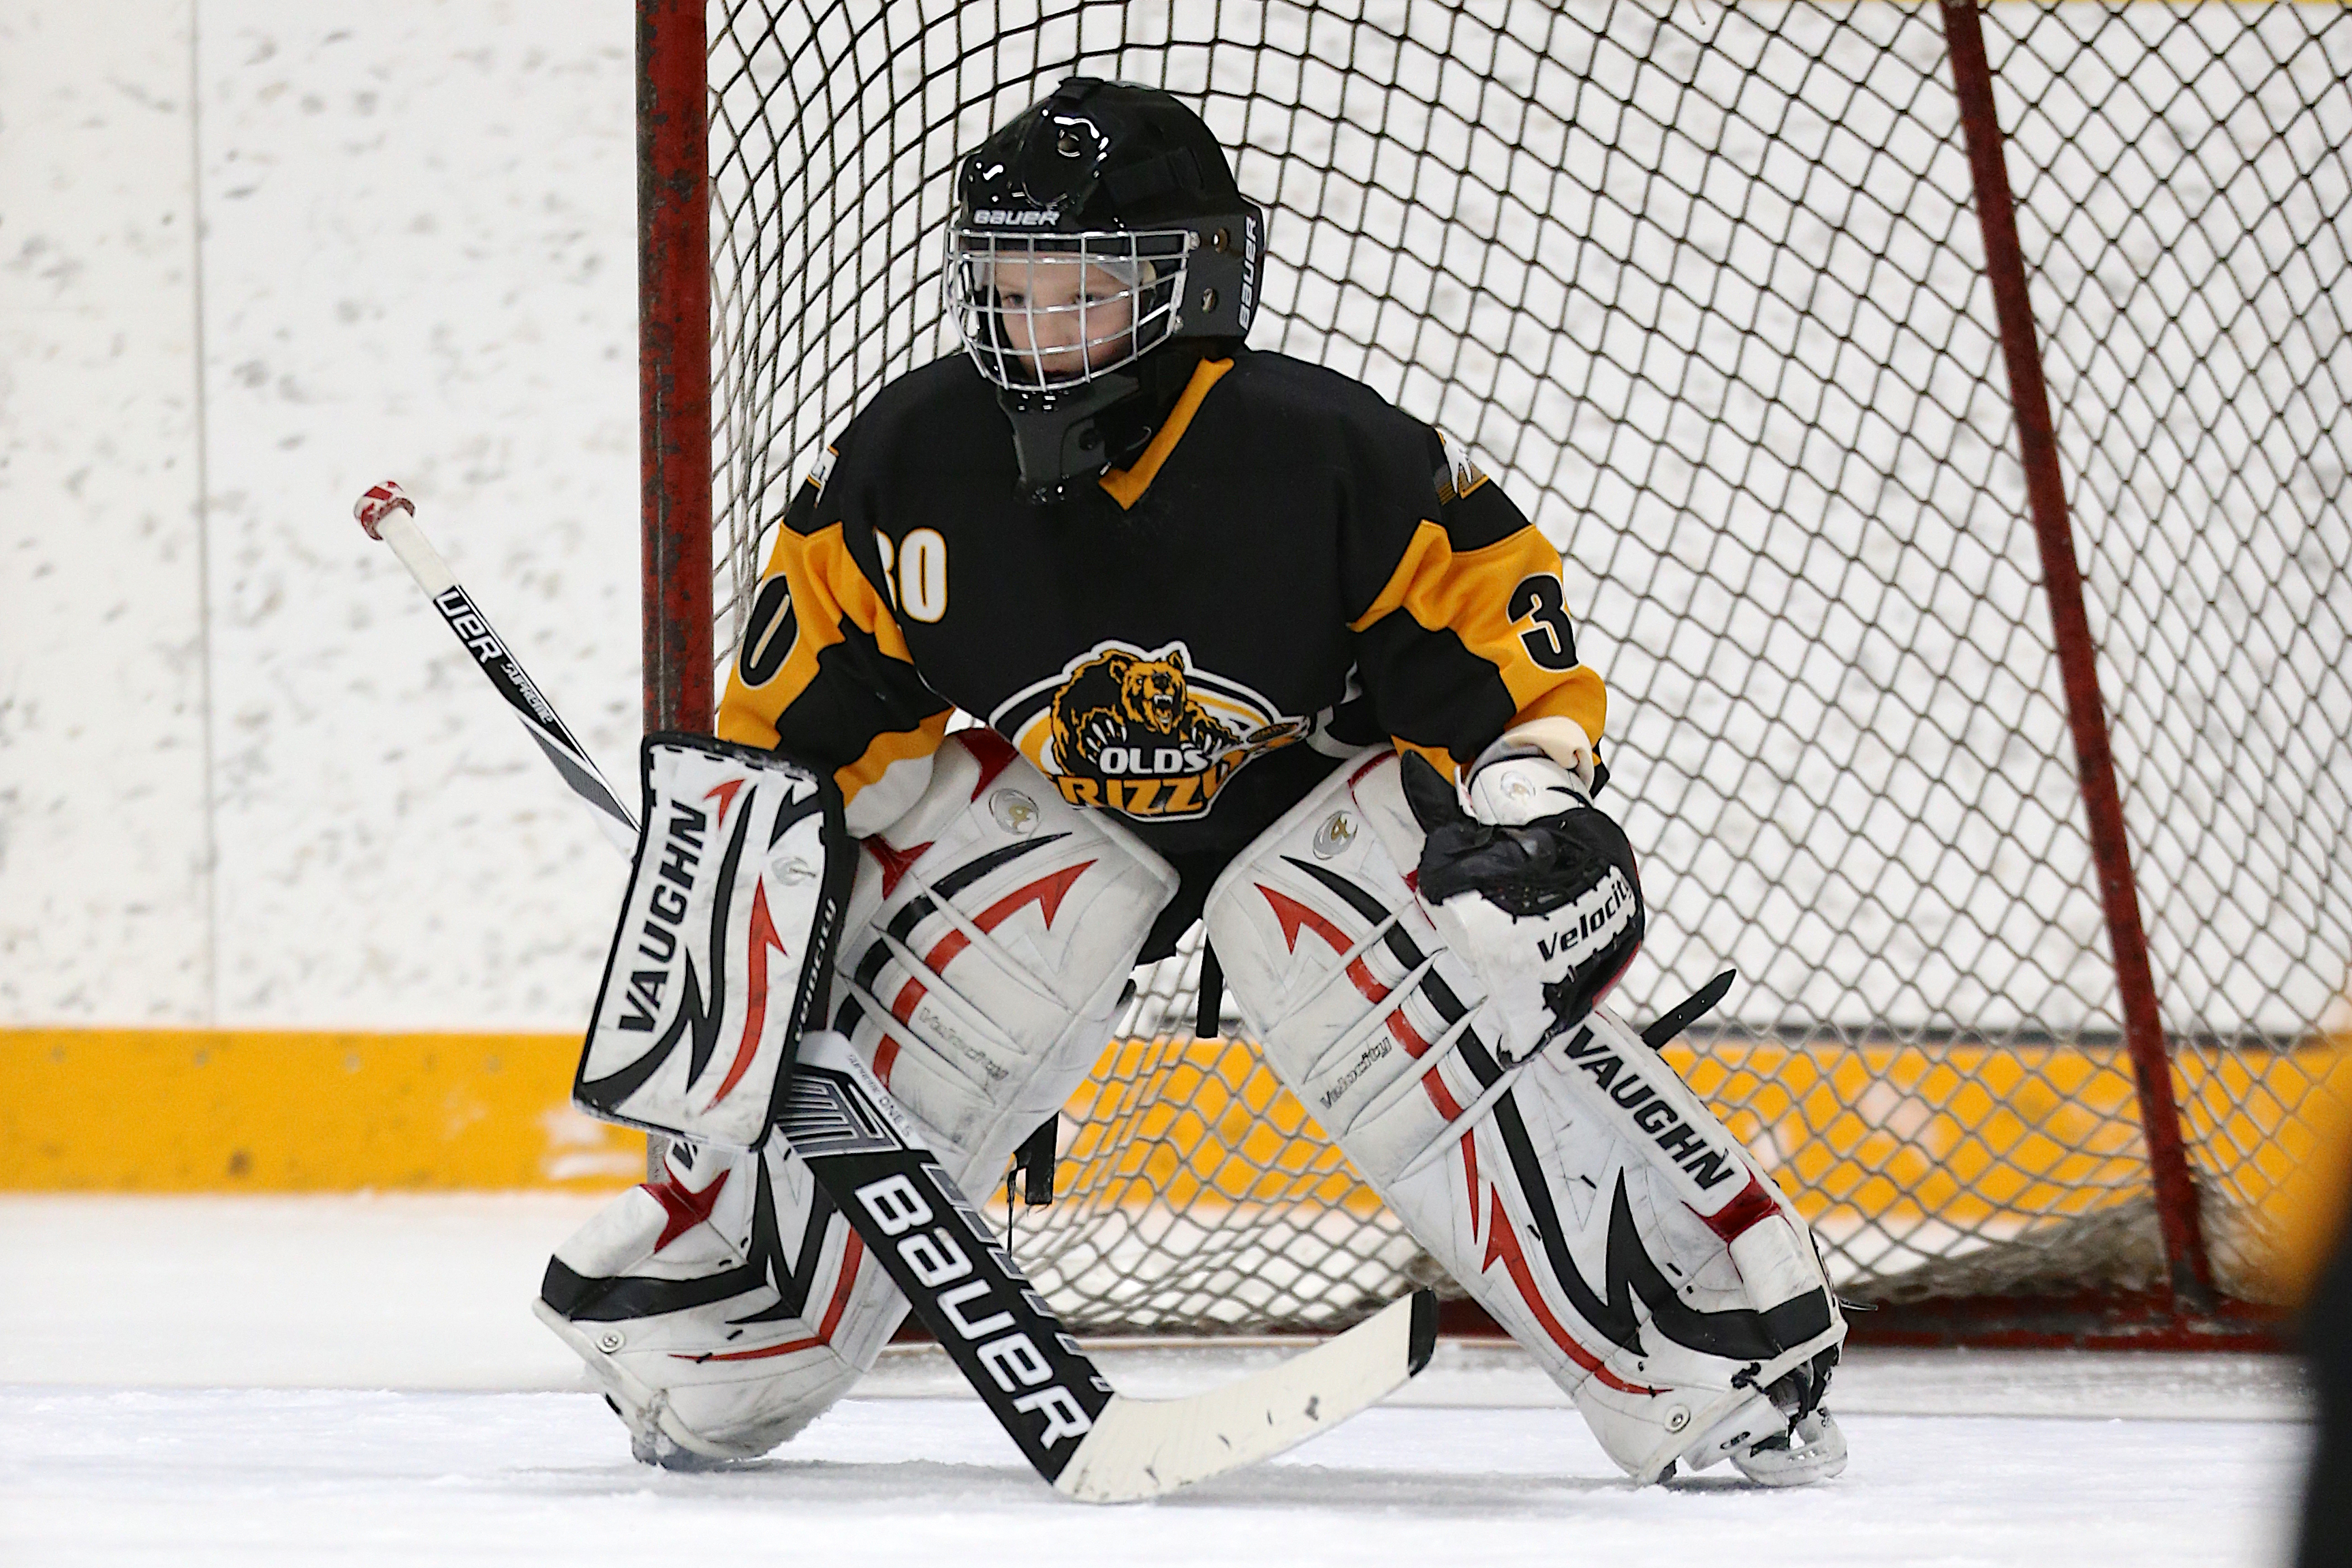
(1547, 911)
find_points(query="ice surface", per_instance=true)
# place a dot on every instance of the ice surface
(369, 1342)
(2082, 1386)
(101, 1477)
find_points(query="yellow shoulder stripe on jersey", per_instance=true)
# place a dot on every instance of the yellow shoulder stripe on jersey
(1469, 592)
(1126, 485)
(1466, 590)
(826, 588)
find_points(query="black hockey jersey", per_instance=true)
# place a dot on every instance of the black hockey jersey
(1291, 570)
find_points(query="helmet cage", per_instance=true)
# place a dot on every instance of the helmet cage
(1045, 312)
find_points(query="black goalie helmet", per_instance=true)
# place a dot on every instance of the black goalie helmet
(1093, 229)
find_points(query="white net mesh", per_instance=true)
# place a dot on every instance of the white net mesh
(1703, 289)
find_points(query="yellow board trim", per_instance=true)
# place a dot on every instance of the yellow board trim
(1894, 1135)
(206, 1111)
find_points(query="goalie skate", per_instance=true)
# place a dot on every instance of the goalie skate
(1583, 1197)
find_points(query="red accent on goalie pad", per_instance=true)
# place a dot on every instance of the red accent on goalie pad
(755, 1016)
(1045, 892)
(1469, 1172)
(992, 751)
(685, 1207)
(1293, 915)
(896, 863)
(725, 795)
(1503, 1243)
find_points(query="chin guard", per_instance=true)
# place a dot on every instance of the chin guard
(1058, 437)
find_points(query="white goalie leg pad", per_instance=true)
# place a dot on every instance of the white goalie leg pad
(1584, 1197)
(988, 940)
(991, 933)
(720, 1309)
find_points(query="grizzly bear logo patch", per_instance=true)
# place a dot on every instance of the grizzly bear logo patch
(1143, 732)
(1141, 712)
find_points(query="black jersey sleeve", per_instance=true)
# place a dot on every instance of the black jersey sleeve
(1460, 613)
(823, 673)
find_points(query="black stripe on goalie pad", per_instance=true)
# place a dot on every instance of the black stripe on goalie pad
(723, 952)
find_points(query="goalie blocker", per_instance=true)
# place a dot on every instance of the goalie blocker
(724, 945)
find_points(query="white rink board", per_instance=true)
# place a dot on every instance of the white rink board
(419, 265)
(249, 782)
(105, 907)
(418, 262)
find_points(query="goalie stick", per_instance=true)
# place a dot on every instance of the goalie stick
(1089, 1442)
(1092, 1444)
(387, 514)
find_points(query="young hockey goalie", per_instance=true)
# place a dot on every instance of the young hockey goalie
(1250, 646)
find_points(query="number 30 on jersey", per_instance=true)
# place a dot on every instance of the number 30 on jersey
(916, 571)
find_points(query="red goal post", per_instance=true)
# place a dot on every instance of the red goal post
(1941, 412)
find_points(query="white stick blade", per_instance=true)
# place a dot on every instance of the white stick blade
(1146, 1447)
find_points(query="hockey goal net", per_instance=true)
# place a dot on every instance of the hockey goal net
(1708, 289)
